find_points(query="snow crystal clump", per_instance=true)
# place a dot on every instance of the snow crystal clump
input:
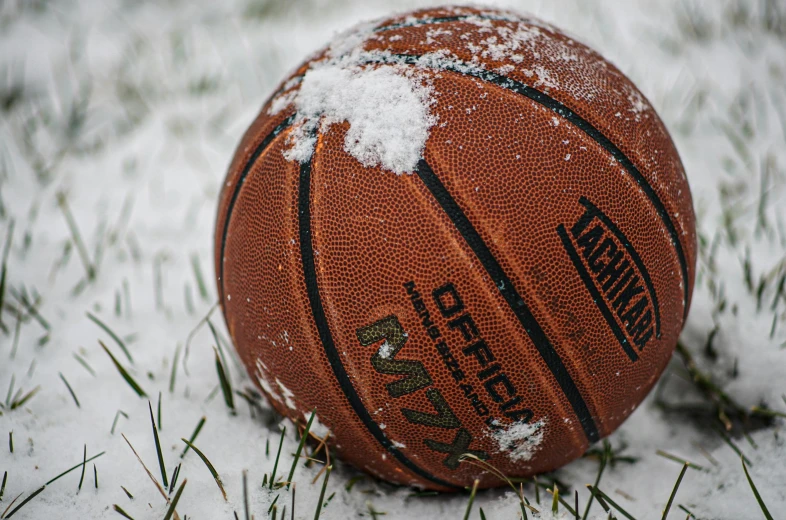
(520, 440)
(385, 350)
(386, 105)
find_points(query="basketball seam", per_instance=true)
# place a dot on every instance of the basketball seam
(326, 337)
(511, 296)
(258, 151)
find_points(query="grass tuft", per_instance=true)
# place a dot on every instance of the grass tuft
(604, 499)
(477, 461)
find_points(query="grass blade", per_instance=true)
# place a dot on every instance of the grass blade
(173, 504)
(669, 456)
(278, 456)
(84, 464)
(82, 361)
(200, 280)
(209, 467)
(763, 507)
(199, 426)
(245, 494)
(322, 492)
(122, 513)
(117, 416)
(603, 461)
(123, 372)
(69, 470)
(603, 498)
(76, 236)
(173, 375)
(471, 499)
(158, 447)
(112, 335)
(674, 491)
(300, 447)
(226, 386)
(29, 395)
(25, 501)
(70, 390)
(6, 249)
(173, 480)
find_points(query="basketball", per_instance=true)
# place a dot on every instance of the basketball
(454, 232)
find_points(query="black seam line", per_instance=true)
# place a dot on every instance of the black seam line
(310, 275)
(512, 297)
(596, 296)
(633, 254)
(592, 132)
(238, 185)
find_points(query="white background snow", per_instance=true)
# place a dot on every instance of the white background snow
(132, 110)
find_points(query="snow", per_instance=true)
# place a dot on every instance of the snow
(520, 441)
(340, 90)
(132, 111)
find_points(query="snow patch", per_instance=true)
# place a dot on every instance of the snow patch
(520, 441)
(386, 106)
(385, 350)
(287, 394)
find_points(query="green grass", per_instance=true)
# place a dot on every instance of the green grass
(210, 468)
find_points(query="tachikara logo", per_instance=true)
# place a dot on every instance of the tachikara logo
(615, 277)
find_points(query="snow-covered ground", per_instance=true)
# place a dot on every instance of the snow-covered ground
(117, 121)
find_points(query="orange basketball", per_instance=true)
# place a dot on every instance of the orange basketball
(454, 231)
